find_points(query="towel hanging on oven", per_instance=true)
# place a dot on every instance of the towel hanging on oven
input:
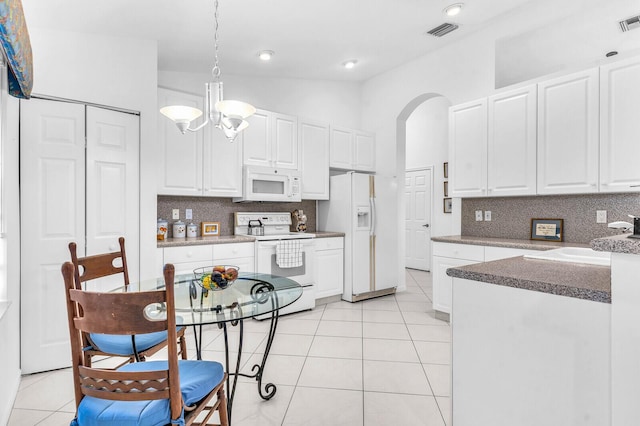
(289, 253)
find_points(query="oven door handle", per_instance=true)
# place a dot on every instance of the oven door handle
(305, 243)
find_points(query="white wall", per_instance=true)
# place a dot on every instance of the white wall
(427, 135)
(585, 35)
(114, 71)
(10, 246)
(333, 102)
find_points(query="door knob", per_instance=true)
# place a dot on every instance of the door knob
(426, 225)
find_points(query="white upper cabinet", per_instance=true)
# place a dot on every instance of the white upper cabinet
(511, 149)
(179, 156)
(364, 151)
(353, 149)
(468, 149)
(620, 126)
(222, 164)
(196, 163)
(313, 138)
(568, 116)
(341, 148)
(271, 140)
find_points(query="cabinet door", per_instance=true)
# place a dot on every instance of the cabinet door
(568, 119)
(284, 141)
(619, 126)
(112, 187)
(52, 206)
(364, 151)
(341, 154)
(179, 156)
(257, 140)
(222, 167)
(442, 283)
(511, 146)
(329, 272)
(468, 149)
(313, 140)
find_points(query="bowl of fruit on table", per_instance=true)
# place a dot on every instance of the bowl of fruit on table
(216, 277)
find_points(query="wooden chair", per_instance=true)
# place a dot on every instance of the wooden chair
(142, 393)
(134, 348)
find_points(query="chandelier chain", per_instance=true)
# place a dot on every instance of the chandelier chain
(216, 68)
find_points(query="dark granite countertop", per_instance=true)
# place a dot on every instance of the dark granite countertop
(505, 242)
(617, 244)
(582, 281)
(198, 241)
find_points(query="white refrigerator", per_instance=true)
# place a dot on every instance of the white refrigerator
(364, 208)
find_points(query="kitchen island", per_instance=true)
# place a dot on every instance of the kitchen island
(531, 343)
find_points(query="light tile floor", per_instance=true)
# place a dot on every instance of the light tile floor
(384, 361)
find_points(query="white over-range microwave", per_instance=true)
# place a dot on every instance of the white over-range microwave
(270, 184)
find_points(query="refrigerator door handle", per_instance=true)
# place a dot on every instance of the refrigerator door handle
(372, 227)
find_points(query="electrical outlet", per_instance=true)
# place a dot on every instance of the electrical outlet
(487, 215)
(176, 214)
(478, 215)
(601, 216)
(188, 214)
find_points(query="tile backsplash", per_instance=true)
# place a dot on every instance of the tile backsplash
(222, 209)
(511, 216)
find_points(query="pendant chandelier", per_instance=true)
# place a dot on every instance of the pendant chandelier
(227, 115)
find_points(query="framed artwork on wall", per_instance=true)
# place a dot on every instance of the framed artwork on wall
(446, 170)
(447, 205)
(446, 188)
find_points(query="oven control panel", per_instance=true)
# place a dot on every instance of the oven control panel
(267, 219)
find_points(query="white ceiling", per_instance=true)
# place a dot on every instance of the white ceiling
(311, 38)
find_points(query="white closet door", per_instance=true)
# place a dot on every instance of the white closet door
(113, 201)
(52, 169)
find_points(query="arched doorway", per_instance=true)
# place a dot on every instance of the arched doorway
(422, 145)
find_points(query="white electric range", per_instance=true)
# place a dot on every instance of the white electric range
(275, 227)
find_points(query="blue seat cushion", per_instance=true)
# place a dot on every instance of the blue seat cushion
(197, 379)
(121, 344)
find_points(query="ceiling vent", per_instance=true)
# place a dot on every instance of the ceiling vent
(443, 29)
(630, 23)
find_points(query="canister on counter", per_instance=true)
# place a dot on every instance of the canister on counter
(192, 230)
(179, 229)
(163, 229)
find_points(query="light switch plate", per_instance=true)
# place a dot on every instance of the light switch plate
(601, 216)
(188, 214)
(176, 214)
(478, 215)
(487, 215)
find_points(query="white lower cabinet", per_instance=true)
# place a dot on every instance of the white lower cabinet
(187, 258)
(450, 255)
(447, 256)
(329, 267)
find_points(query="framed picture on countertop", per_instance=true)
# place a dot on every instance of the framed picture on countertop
(210, 228)
(547, 230)
(446, 188)
(446, 170)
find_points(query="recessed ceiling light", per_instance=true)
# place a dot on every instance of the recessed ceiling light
(350, 63)
(454, 9)
(266, 55)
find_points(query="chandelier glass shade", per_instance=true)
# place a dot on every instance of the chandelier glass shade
(228, 115)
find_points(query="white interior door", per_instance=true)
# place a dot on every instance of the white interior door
(113, 201)
(52, 201)
(418, 219)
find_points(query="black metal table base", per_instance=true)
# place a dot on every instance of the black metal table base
(258, 369)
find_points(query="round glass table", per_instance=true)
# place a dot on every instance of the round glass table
(249, 296)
